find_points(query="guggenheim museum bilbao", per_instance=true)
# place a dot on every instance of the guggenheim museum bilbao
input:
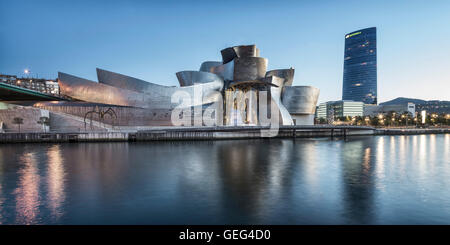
(239, 90)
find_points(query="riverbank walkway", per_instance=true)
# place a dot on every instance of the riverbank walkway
(211, 133)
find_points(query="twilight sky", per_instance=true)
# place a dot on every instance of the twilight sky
(152, 40)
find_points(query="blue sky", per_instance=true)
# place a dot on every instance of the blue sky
(152, 40)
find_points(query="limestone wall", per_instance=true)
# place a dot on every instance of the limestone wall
(126, 116)
(29, 115)
(60, 122)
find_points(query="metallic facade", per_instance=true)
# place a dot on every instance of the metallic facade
(360, 66)
(189, 78)
(275, 93)
(287, 74)
(86, 90)
(229, 54)
(300, 99)
(208, 91)
(242, 69)
(207, 65)
(240, 76)
(301, 102)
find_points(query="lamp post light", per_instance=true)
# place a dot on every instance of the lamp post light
(380, 119)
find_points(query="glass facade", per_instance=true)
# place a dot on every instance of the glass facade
(340, 108)
(360, 66)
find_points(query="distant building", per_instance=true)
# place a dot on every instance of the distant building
(47, 86)
(431, 106)
(360, 66)
(340, 108)
(321, 110)
(373, 110)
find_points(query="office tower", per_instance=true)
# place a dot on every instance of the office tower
(360, 66)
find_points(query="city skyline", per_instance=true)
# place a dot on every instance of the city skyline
(129, 38)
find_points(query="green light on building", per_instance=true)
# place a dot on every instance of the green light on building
(353, 34)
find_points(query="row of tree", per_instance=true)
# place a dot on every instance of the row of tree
(393, 119)
(44, 121)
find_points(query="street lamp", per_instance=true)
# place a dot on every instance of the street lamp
(26, 71)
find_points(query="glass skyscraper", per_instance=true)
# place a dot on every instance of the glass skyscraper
(360, 66)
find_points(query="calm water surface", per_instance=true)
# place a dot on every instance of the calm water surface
(363, 180)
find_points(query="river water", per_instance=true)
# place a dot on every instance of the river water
(361, 180)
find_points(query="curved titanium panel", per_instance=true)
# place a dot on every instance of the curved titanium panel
(86, 90)
(125, 82)
(242, 69)
(231, 53)
(207, 65)
(300, 99)
(249, 68)
(275, 93)
(163, 94)
(224, 71)
(228, 54)
(287, 74)
(188, 78)
(246, 51)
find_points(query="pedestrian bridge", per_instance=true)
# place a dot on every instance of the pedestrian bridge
(9, 92)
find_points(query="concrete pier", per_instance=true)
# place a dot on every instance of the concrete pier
(208, 133)
(240, 132)
(62, 137)
(400, 131)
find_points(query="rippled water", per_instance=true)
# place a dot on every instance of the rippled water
(363, 180)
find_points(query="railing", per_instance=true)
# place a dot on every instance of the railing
(52, 130)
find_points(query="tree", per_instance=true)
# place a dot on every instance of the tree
(322, 121)
(18, 121)
(45, 121)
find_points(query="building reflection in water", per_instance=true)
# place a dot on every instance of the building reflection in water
(361, 180)
(380, 159)
(1, 186)
(357, 178)
(27, 191)
(259, 183)
(252, 178)
(447, 146)
(392, 149)
(432, 150)
(55, 182)
(243, 171)
(402, 157)
(423, 161)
